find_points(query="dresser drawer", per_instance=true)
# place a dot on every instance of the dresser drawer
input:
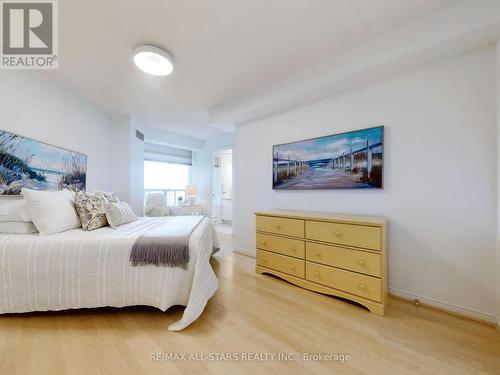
(288, 227)
(291, 266)
(353, 260)
(350, 282)
(345, 234)
(281, 245)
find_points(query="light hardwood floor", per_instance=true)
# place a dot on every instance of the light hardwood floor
(250, 313)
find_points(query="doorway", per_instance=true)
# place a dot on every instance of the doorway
(222, 191)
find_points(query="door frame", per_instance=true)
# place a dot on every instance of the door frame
(214, 152)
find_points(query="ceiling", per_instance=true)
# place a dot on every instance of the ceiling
(223, 49)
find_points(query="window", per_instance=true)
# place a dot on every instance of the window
(171, 179)
(165, 176)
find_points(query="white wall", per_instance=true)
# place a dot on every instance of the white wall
(136, 169)
(127, 155)
(35, 106)
(120, 155)
(440, 176)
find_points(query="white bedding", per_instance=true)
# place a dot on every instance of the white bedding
(77, 269)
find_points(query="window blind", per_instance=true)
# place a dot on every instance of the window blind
(166, 154)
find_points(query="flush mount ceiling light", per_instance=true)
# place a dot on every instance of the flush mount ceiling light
(153, 60)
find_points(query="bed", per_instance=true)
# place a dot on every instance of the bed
(77, 269)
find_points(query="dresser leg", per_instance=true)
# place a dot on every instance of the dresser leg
(376, 309)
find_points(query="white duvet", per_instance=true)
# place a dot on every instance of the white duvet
(77, 269)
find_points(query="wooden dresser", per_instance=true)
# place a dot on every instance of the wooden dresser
(340, 255)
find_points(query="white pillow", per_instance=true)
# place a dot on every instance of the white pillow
(14, 210)
(51, 211)
(119, 213)
(158, 212)
(17, 227)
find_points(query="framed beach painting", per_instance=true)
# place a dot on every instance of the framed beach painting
(352, 160)
(26, 163)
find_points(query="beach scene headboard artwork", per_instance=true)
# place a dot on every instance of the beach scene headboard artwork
(27, 163)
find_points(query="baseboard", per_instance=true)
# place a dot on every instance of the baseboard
(244, 252)
(447, 307)
(465, 312)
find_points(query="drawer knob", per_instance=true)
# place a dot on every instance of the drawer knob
(316, 274)
(264, 259)
(338, 234)
(317, 253)
(264, 243)
(293, 268)
(362, 262)
(277, 227)
(362, 286)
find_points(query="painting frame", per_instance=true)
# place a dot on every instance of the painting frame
(29, 163)
(367, 181)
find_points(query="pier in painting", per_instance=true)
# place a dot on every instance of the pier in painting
(348, 160)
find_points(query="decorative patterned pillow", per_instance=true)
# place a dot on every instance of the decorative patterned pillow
(90, 208)
(110, 197)
(119, 213)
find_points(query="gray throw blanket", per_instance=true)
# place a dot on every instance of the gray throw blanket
(167, 244)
